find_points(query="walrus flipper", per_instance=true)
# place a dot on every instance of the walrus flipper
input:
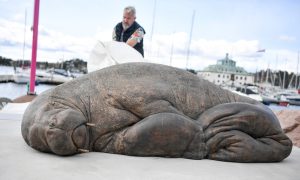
(242, 132)
(162, 134)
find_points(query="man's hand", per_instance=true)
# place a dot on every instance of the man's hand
(131, 42)
(136, 37)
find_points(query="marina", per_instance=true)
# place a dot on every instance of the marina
(49, 76)
(228, 75)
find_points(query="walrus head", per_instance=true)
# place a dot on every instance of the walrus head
(55, 129)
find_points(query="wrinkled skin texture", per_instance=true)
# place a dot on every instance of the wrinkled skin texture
(144, 109)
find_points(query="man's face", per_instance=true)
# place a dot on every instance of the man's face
(128, 19)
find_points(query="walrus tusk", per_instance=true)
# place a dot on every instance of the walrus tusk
(83, 150)
(91, 124)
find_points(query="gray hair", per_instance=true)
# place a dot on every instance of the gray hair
(130, 9)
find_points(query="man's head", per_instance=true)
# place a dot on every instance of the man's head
(128, 16)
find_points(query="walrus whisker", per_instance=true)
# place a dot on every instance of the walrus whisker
(83, 150)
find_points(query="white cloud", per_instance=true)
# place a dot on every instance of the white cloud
(55, 46)
(52, 45)
(287, 38)
(203, 52)
(11, 31)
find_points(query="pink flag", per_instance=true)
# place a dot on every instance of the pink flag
(261, 50)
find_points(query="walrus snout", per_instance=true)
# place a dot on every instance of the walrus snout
(60, 131)
(66, 132)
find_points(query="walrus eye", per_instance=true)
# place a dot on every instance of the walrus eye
(51, 124)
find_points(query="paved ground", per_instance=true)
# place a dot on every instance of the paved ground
(24, 99)
(19, 161)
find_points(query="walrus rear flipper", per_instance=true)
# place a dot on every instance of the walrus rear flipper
(243, 132)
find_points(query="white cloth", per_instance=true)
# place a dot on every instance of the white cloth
(110, 53)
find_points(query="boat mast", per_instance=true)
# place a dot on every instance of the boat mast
(267, 75)
(296, 86)
(274, 74)
(34, 47)
(152, 28)
(291, 81)
(190, 39)
(24, 40)
(284, 75)
(171, 56)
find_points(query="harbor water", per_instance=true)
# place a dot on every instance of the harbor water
(12, 90)
(275, 107)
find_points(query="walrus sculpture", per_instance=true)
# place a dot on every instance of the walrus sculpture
(144, 109)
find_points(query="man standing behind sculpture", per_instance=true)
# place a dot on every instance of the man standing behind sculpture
(129, 31)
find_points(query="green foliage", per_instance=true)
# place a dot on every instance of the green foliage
(5, 61)
(73, 65)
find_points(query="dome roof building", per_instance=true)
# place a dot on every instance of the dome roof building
(226, 73)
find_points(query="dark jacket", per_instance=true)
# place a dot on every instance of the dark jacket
(128, 33)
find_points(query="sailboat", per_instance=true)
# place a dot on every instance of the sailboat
(292, 96)
(22, 76)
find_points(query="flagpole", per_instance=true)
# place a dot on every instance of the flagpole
(34, 47)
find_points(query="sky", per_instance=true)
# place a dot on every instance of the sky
(182, 33)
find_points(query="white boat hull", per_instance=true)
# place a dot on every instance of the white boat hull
(21, 78)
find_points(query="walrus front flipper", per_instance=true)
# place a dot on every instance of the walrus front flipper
(162, 134)
(243, 132)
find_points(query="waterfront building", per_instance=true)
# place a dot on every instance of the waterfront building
(226, 73)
